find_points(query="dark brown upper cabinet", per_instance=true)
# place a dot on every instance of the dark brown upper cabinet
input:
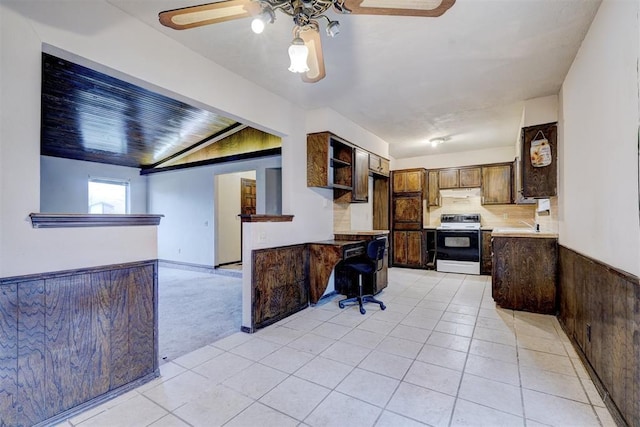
(409, 181)
(540, 181)
(496, 184)
(335, 163)
(360, 192)
(329, 161)
(448, 178)
(470, 177)
(433, 198)
(378, 165)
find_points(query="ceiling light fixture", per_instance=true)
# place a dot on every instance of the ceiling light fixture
(267, 16)
(305, 14)
(298, 53)
(437, 141)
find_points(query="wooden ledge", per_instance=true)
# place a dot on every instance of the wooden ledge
(47, 220)
(266, 218)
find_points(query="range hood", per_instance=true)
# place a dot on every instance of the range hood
(460, 193)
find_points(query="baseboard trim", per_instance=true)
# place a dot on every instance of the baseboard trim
(70, 413)
(200, 268)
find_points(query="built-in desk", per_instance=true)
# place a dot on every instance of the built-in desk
(323, 258)
(286, 279)
(345, 278)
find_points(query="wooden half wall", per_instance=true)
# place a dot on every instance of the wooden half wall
(600, 311)
(72, 339)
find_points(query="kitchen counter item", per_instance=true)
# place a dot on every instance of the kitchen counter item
(522, 232)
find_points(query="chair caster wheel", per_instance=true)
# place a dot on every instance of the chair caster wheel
(362, 310)
(383, 307)
(341, 305)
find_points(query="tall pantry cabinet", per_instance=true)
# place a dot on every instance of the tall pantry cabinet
(408, 200)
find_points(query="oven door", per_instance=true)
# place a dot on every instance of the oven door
(458, 245)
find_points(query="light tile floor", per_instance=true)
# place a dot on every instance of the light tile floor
(441, 354)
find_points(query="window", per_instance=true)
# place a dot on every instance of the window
(107, 196)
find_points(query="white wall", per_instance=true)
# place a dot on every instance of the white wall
(538, 111)
(100, 33)
(228, 225)
(23, 249)
(105, 35)
(465, 158)
(598, 155)
(187, 199)
(64, 184)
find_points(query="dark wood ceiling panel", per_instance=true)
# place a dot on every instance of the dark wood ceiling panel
(88, 115)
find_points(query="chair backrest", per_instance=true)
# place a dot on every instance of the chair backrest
(375, 251)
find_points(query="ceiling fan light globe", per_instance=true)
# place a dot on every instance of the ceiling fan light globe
(333, 28)
(257, 25)
(298, 53)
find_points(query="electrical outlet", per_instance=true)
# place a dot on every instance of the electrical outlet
(262, 237)
(505, 216)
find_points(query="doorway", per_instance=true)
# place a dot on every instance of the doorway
(235, 194)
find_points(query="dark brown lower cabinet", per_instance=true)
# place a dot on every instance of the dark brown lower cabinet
(70, 337)
(485, 252)
(408, 249)
(524, 273)
(279, 283)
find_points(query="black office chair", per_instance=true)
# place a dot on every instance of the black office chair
(369, 264)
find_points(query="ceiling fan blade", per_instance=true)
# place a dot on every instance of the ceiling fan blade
(315, 61)
(429, 8)
(205, 14)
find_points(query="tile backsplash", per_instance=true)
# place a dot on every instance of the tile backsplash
(491, 215)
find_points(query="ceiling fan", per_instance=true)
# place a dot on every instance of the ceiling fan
(305, 51)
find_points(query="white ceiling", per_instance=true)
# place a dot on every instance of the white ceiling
(464, 74)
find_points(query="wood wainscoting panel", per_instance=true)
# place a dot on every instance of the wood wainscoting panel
(132, 331)
(74, 338)
(8, 355)
(600, 311)
(76, 332)
(31, 353)
(279, 283)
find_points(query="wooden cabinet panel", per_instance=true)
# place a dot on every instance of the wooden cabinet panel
(496, 184)
(539, 181)
(408, 248)
(318, 160)
(330, 164)
(399, 247)
(524, 273)
(380, 203)
(407, 209)
(360, 191)
(485, 252)
(470, 177)
(433, 198)
(378, 165)
(278, 283)
(448, 178)
(408, 181)
(414, 248)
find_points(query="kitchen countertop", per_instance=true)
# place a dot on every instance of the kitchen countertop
(361, 232)
(522, 232)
